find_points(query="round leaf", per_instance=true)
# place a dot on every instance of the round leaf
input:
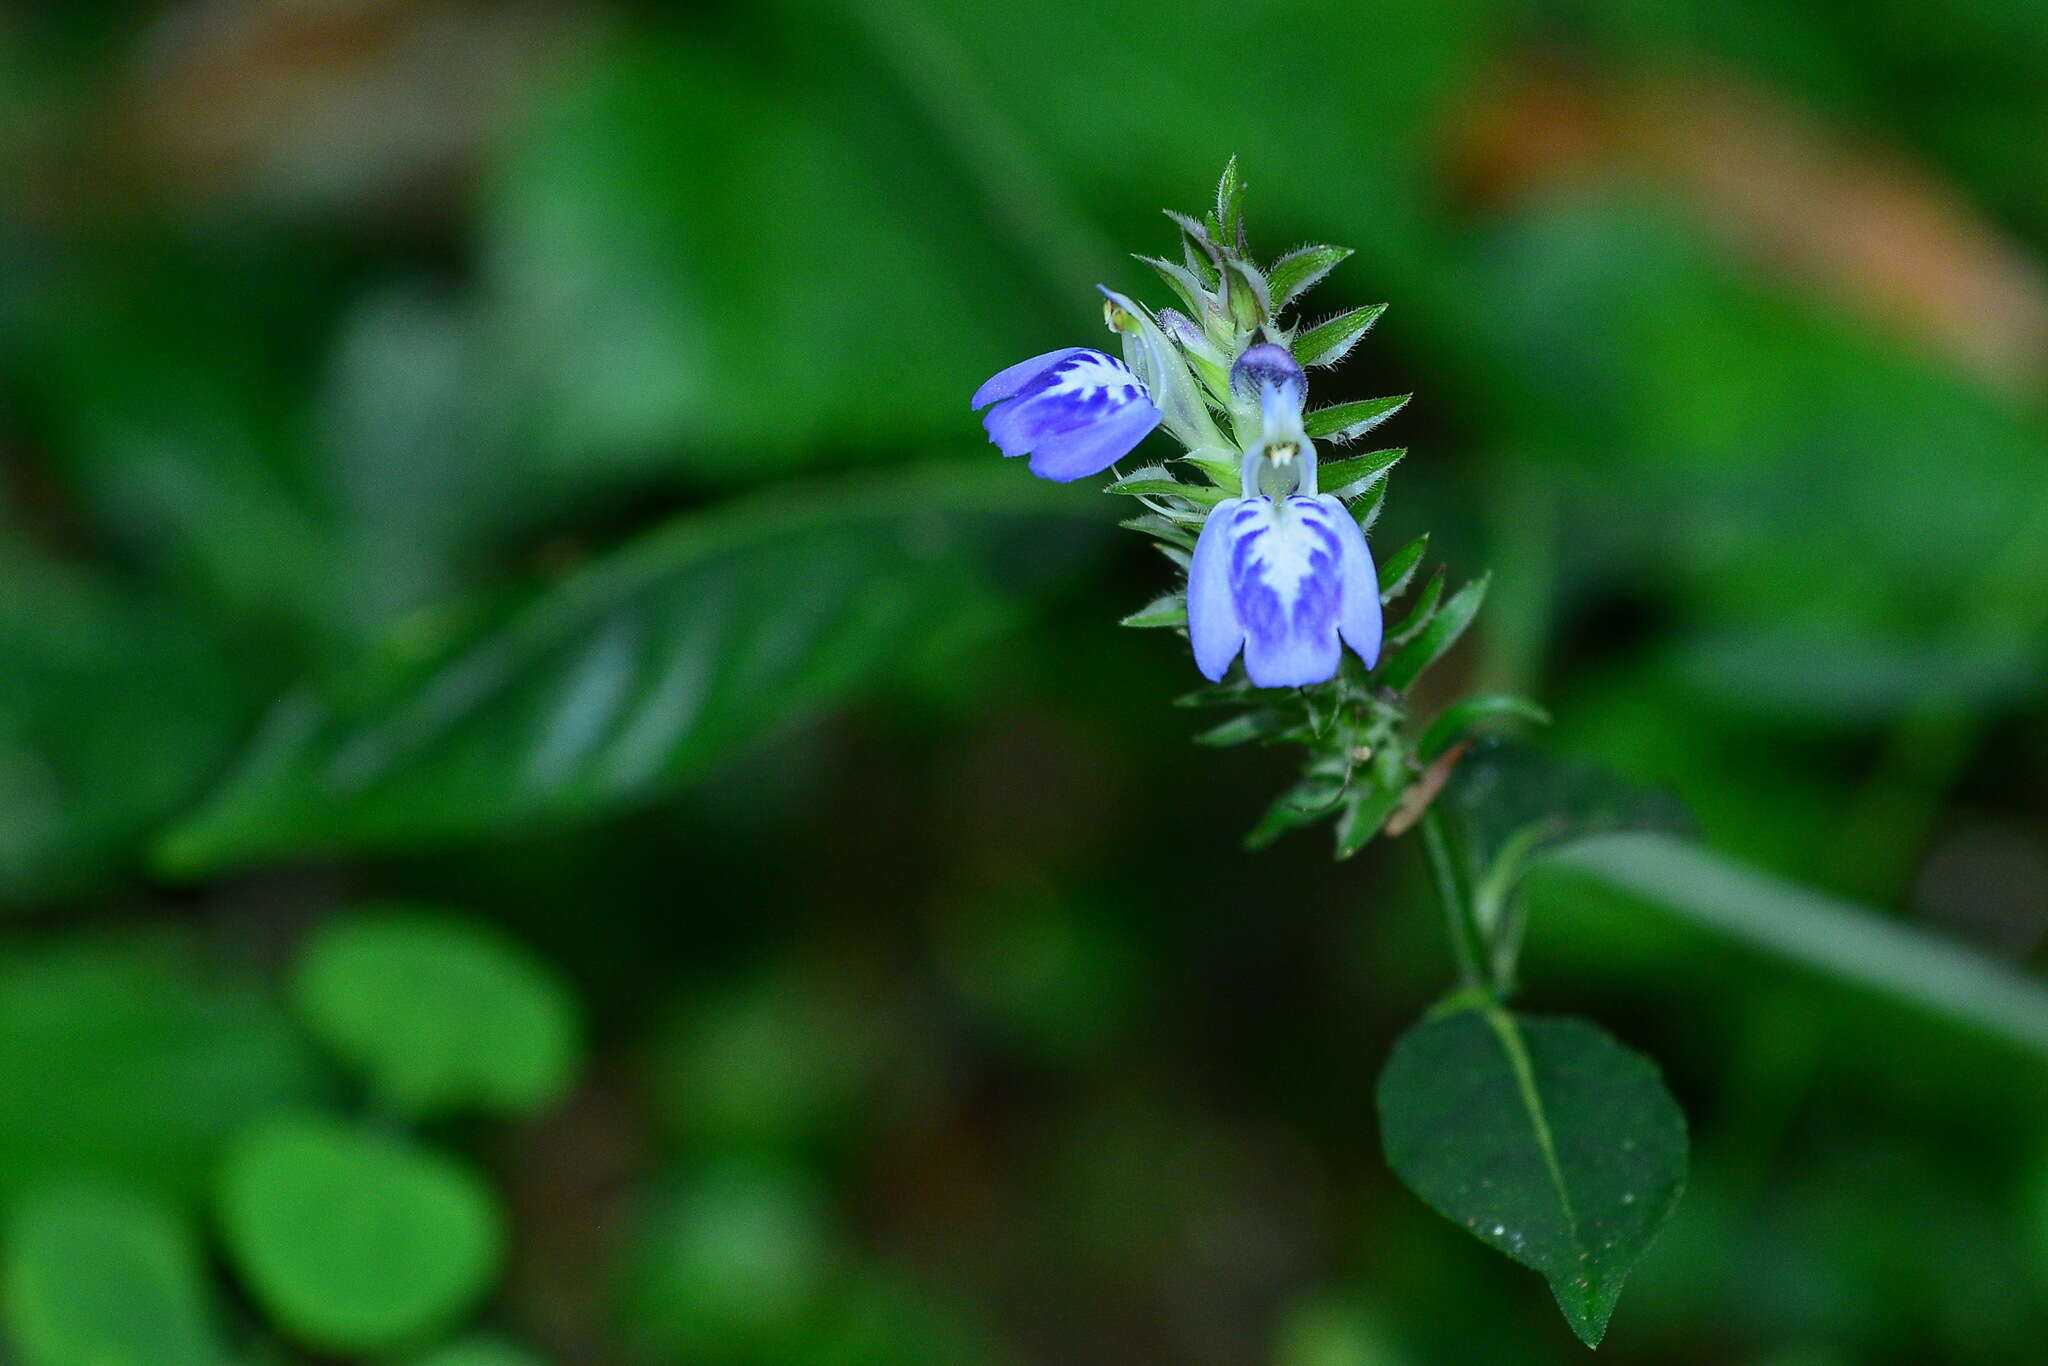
(441, 1013)
(1545, 1137)
(353, 1241)
(106, 1277)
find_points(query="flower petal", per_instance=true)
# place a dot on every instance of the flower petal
(1213, 628)
(1091, 449)
(1286, 579)
(1005, 383)
(1358, 617)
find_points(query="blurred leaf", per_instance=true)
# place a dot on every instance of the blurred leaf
(115, 709)
(1834, 678)
(669, 246)
(1454, 722)
(637, 672)
(354, 1241)
(121, 1061)
(776, 1063)
(1433, 641)
(1843, 940)
(730, 1265)
(478, 1352)
(441, 1013)
(109, 1278)
(1547, 1139)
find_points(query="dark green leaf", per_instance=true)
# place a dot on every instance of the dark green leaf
(1430, 644)
(1365, 811)
(440, 1012)
(1301, 270)
(637, 672)
(106, 1277)
(1170, 609)
(1543, 1136)
(1305, 803)
(1396, 573)
(1327, 342)
(353, 1241)
(1454, 721)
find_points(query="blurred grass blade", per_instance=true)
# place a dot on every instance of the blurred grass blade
(1837, 937)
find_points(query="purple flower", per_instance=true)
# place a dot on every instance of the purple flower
(1283, 580)
(1282, 576)
(1074, 412)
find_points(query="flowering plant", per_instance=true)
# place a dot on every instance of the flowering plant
(1544, 1136)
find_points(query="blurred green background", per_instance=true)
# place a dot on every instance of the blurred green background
(559, 805)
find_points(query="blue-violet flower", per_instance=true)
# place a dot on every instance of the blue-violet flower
(1075, 412)
(1281, 572)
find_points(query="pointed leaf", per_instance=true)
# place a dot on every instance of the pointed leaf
(1327, 342)
(1343, 423)
(1429, 645)
(1396, 573)
(1363, 816)
(1183, 282)
(1547, 1139)
(1170, 609)
(1207, 495)
(1263, 724)
(1165, 529)
(1301, 270)
(1368, 508)
(1419, 615)
(1348, 478)
(1230, 205)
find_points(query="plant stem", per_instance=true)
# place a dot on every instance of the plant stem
(1455, 899)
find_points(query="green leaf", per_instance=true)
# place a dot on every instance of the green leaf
(1162, 528)
(1184, 284)
(116, 710)
(1305, 803)
(1368, 508)
(1547, 1139)
(1429, 645)
(1328, 342)
(1843, 940)
(1396, 573)
(638, 671)
(1230, 205)
(1253, 725)
(1455, 721)
(1365, 811)
(353, 1241)
(1343, 423)
(1169, 609)
(731, 1265)
(1420, 613)
(441, 1013)
(1206, 495)
(1301, 270)
(1351, 477)
(125, 1062)
(106, 1277)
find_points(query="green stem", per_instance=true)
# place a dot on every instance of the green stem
(1455, 898)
